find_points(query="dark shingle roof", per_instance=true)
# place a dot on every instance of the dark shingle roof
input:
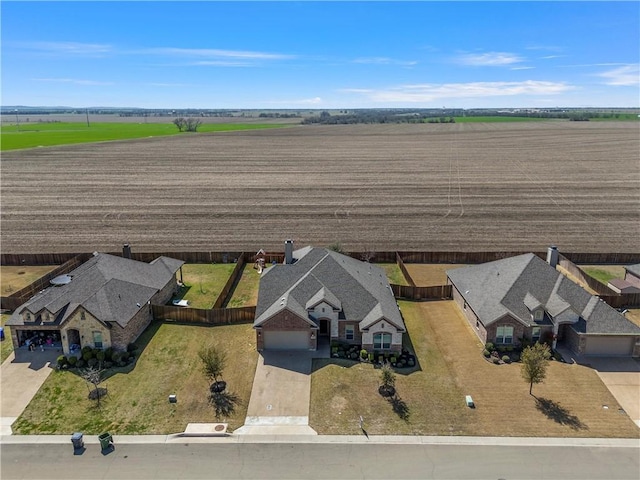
(515, 285)
(361, 289)
(634, 269)
(107, 286)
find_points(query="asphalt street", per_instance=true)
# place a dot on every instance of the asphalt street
(318, 461)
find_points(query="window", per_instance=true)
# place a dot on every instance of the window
(538, 315)
(381, 341)
(504, 335)
(97, 339)
(82, 315)
(535, 334)
(28, 317)
(322, 309)
(349, 332)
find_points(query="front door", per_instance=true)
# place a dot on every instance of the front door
(324, 327)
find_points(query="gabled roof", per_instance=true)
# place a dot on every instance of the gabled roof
(109, 287)
(634, 269)
(360, 289)
(506, 287)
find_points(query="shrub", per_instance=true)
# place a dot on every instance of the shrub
(92, 362)
(489, 346)
(95, 351)
(124, 356)
(509, 349)
(116, 357)
(131, 347)
(364, 354)
(80, 363)
(496, 360)
(506, 359)
(371, 357)
(62, 361)
(72, 360)
(486, 353)
(100, 356)
(108, 364)
(122, 363)
(353, 356)
(107, 354)
(86, 349)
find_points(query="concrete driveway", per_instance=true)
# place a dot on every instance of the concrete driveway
(280, 395)
(21, 376)
(622, 378)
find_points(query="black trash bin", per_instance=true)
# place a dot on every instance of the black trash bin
(77, 441)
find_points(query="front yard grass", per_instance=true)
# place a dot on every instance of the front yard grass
(137, 401)
(451, 366)
(394, 274)
(204, 282)
(246, 292)
(14, 278)
(7, 344)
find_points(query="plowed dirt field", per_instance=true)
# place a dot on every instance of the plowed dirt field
(499, 186)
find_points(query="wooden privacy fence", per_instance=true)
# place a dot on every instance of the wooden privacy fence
(582, 276)
(403, 269)
(459, 257)
(214, 316)
(16, 299)
(227, 290)
(624, 300)
(16, 259)
(438, 292)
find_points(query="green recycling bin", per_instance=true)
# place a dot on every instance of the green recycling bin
(105, 440)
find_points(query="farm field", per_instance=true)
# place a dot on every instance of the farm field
(457, 187)
(49, 134)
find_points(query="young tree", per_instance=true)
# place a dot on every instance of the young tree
(535, 360)
(213, 362)
(180, 123)
(388, 379)
(93, 376)
(192, 124)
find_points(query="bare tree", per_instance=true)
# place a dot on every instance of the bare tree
(93, 376)
(535, 360)
(192, 124)
(181, 123)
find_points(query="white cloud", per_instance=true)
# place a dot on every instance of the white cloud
(425, 93)
(489, 59)
(75, 81)
(216, 53)
(522, 68)
(68, 48)
(384, 61)
(625, 76)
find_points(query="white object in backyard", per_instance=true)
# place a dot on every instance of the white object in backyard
(181, 303)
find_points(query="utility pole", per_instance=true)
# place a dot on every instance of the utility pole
(17, 120)
(87, 111)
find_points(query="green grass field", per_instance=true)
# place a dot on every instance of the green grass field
(48, 134)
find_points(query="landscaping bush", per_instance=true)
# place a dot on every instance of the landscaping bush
(87, 356)
(62, 361)
(353, 356)
(131, 347)
(80, 363)
(86, 349)
(100, 356)
(486, 353)
(509, 349)
(496, 360)
(95, 351)
(489, 346)
(107, 354)
(72, 361)
(122, 363)
(364, 354)
(108, 364)
(116, 357)
(92, 362)
(506, 359)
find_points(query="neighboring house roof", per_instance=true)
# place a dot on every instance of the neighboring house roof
(361, 290)
(109, 287)
(634, 269)
(621, 285)
(514, 285)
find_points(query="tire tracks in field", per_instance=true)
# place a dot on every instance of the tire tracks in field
(454, 155)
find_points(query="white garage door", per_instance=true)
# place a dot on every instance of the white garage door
(296, 340)
(614, 346)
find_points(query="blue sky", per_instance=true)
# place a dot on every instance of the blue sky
(321, 54)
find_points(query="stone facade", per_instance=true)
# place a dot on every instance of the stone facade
(86, 324)
(382, 326)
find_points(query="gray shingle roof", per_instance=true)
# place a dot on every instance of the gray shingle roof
(507, 286)
(361, 289)
(635, 269)
(107, 286)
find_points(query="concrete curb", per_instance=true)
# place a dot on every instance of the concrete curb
(337, 439)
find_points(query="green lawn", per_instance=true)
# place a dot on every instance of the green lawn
(246, 291)
(204, 282)
(604, 273)
(137, 401)
(7, 344)
(394, 274)
(48, 134)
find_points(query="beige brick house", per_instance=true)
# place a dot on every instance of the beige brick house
(320, 293)
(103, 303)
(524, 297)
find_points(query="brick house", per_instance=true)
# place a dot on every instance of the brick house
(103, 303)
(524, 297)
(321, 293)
